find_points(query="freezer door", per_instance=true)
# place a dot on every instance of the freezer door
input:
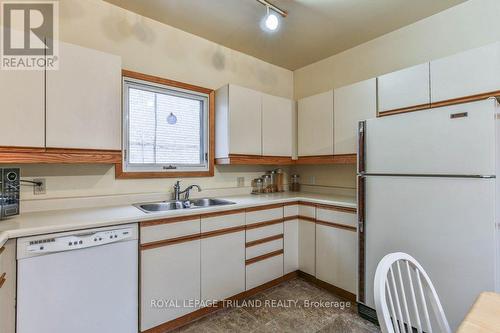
(457, 139)
(447, 224)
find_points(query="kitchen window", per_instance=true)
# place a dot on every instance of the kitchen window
(167, 128)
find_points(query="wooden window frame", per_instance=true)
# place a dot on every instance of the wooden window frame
(121, 174)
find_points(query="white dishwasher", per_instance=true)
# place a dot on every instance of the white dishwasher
(78, 282)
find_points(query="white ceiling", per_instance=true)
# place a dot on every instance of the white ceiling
(313, 30)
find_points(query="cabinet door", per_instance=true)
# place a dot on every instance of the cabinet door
(277, 127)
(84, 100)
(222, 266)
(405, 88)
(468, 73)
(307, 240)
(263, 271)
(169, 274)
(245, 121)
(336, 256)
(315, 125)
(351, 104)
(22, 105)
(8, 287)
(291, 246)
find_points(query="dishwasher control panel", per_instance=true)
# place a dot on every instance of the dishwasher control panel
(79, 241)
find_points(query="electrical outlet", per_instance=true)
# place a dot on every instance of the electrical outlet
(240, 181)
(39, 189)
(312, 180)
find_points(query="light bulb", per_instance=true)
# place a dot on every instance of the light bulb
(272, 21)
(172, 119)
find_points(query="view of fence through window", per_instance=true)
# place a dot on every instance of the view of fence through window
(153, 140)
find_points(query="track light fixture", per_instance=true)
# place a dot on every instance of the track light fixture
(271, 20)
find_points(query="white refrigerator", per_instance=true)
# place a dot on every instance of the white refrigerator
(427, 186)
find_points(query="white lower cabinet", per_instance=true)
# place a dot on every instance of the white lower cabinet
(291, 246)
(336, 256)
(8, 287)
(264, 271)
(307, 241)
(170, 282)
(222, 266)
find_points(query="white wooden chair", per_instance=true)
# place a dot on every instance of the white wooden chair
(401, 289)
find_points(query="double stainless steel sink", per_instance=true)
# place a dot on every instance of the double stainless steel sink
(186, 204)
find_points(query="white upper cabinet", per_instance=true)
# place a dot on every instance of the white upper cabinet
(277, 126)
(84, 100)
(22, 105)
(351, 104)
(405, 88)
(239, 121)
(315, 125)
(467, 73)
(249, 122)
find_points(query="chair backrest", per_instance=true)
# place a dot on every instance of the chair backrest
(402, 291)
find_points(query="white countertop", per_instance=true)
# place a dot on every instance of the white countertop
(37, 223)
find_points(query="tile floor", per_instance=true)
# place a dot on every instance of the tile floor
(308, 315)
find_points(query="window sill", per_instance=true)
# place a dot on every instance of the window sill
(120, 174)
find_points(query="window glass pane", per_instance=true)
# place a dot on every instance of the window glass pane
(178, 143)
(152, 139)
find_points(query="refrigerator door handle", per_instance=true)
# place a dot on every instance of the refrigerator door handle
(361, 237)
(361, 146)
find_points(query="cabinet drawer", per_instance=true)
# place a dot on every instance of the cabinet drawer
(292, 210)
(307, 211)
(170, 229)
(338, 217)
(264, 248)
(218, 222)
(264, 271)
(264, 232)
(264, 215)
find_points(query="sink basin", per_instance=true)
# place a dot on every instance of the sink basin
(164, 206)
(209, 202)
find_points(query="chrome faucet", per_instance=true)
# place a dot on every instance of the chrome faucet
(178, 192)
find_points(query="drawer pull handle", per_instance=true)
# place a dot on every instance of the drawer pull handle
(2, 280)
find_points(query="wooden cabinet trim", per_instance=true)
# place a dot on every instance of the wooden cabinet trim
(263, 224)
(170, 220)
(404, 110)
(223, 213)
(306, 203)
(328, 159)
(330, 287)
(290, 218)
(264, 257)
(170, 241)
(2, 279)
(264, 240)
(240, 159)
(448, 102)
(291, 203)
(337, 225)
(264, 207)
(337, 208)
(219, 232)
(28, 155)
(307, 218)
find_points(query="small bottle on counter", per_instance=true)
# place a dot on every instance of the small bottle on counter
(294, 183)
(257, 186)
